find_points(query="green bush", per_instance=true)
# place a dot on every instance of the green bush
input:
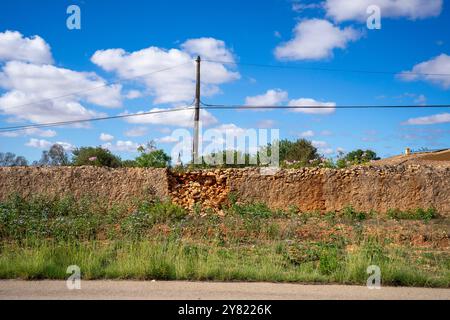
(149, 213)
(259, 210)
(90, 156)
(417, 214)
(152, 159)
(350, 213)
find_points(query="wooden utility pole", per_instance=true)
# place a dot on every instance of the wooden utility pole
(196, 115)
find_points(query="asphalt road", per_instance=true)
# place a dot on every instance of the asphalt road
(181, 290)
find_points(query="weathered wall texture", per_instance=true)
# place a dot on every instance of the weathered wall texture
(365, 187)
(114, 185)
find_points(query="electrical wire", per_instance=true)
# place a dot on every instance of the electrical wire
(250, 107)
(62, 123)
(93, 88)
(327, 69)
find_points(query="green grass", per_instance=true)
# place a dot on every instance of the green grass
(41, 237)
(172, 260)
(417, 214)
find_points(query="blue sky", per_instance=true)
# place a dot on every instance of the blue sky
(121, 39)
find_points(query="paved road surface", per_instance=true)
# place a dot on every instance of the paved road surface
(15, 289)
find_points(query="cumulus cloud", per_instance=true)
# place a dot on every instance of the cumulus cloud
(319, 144)
(342, 10)
(45, 144)
(174, 85)
(106, 137)
(14, 46)
(182, 118)
(136, 132)
(433, 119)
(30, 132)
(307, 134)
(209, 49)
(265, 124)
(270, 98)
(433, 70)
(315, 39)
(168, 139)
(312, 106)
(32, 91)
(122, 146)
(133, 94)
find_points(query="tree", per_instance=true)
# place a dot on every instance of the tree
(152, 157)
(358, 156)
(55, 156)
(9, 159)
(129, 163)
(58, 156)
(90, 156)
(301, 151)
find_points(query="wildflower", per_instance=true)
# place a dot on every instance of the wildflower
(92, 158)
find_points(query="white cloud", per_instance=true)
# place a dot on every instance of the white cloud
(308, 133)
(30, 132)
(316, 39)
(322, 147)
(431, 71)
(106, 137)
(39, 143)
(14, 46)
(122, 146)
(32, 91)
(319, 144)
(209, 49)
(342, 10)
(297, 6)
(133, 94)
(318, 107)
(168, 139)
(326, 151)
(136, 132)
(183, 118)
(45, 144)
(433, 119)
(421, 100)
(174, 85)
(265, 124)
(270, 98)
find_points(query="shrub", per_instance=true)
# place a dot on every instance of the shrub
(149, 213)
(152, 158)
(417, 214)
(95, 157)
(259, 210)
(350, 213)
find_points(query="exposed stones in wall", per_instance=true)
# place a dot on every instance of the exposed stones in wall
(208, 187)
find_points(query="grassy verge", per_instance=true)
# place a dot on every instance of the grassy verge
(40, 238)
(172, 260)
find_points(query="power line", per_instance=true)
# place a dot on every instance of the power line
(93, 88)
(328, 69)
(215, 107)
(61, 123)
(249, 107)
